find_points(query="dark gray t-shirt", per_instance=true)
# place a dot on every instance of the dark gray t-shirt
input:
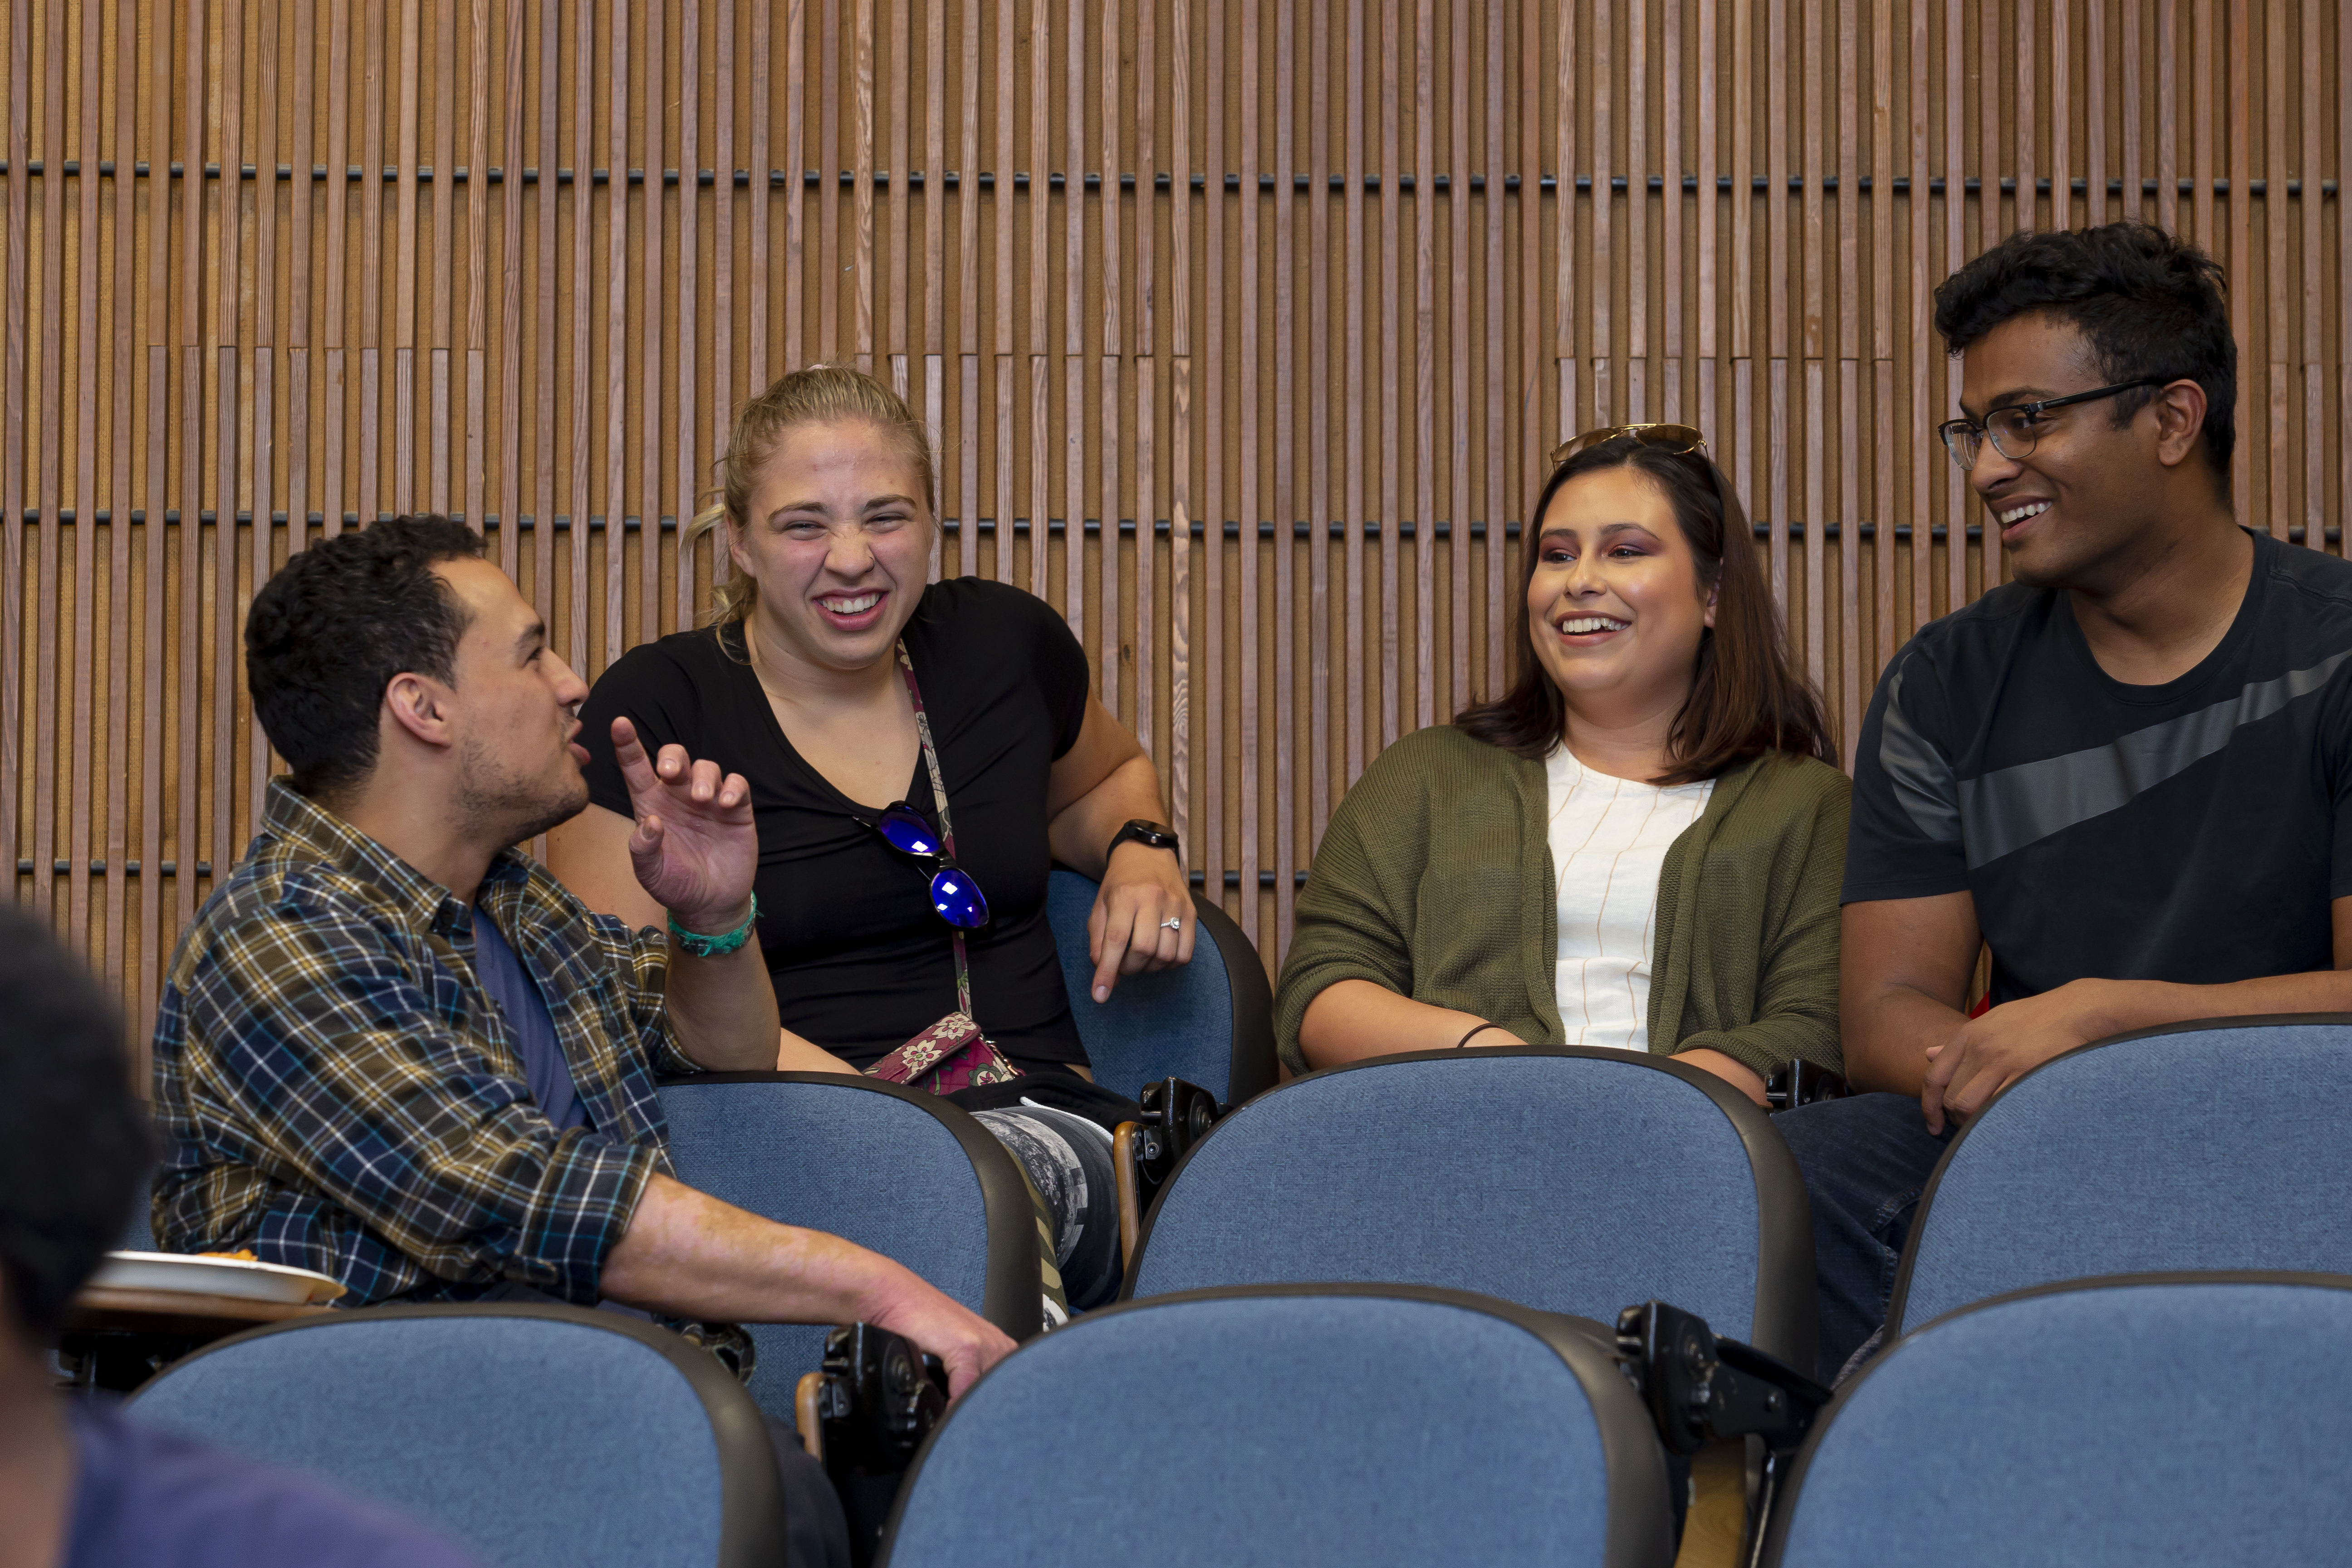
(2194, 832)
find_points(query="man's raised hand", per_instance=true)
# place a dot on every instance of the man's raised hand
(695, 847)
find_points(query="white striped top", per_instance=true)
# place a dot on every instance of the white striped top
(1609, 839)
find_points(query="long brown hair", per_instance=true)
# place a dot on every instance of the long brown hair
(817, 395)
(1745, 699)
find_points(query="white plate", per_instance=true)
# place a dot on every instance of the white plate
(183, 1274)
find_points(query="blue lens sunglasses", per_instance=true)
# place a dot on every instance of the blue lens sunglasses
(954, 894)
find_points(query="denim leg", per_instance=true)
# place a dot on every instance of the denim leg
(1865, 1159)
(816, 1535)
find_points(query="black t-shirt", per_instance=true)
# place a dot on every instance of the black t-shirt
(860, 960)
(2194, 832)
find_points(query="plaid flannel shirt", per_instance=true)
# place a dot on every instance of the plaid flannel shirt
(339, 1093)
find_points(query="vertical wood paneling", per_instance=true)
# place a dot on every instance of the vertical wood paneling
(1041, 241)
(48, 377)
(690, 353)
(1284, 511)
(1107, 441)
(523, 260)
(188, 716)
(1209, 685)
(157, 142)
(82, 703)
(1352, 296)
(1248, 421)
(34, 882)
(1146, 91)
(122, 968)
(649, 125)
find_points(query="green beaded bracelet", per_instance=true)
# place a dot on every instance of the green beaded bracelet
(720, 946)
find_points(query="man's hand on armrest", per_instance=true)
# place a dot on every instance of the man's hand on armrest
(688, 1255)
(1903, 988)
(1982, 1056)
(1902, 983)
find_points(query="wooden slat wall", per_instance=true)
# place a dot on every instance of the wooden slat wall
(1242, 325)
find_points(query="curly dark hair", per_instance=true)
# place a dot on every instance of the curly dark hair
(1746, 699)
(74, 1144)
(330, 630)
(2149, 303)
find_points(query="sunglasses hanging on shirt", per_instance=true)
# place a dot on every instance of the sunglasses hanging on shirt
(954, 893)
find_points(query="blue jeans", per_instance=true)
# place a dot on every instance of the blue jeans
(1865, 1159)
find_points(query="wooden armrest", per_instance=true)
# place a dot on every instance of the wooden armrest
(808, 1414)
(1131, 1203)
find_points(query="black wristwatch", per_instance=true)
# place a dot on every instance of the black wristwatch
(1151, 834)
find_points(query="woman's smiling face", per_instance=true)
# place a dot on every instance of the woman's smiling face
(1614, 604)
(839, 538)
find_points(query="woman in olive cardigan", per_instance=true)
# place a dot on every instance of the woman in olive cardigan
(1654, 691)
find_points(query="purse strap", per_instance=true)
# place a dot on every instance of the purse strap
(947, 828)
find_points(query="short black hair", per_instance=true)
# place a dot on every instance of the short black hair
(2149, 303)
(330, 630)
(74, 1144)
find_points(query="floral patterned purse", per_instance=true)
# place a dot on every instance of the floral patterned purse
(952, 1054)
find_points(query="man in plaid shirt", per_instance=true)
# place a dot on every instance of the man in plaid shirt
(392, 1049)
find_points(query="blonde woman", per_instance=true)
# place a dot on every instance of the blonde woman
(825, 645)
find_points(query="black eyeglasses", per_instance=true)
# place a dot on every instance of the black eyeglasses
(954, 894)
(2014, 430)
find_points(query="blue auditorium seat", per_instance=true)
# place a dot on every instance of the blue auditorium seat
(1568, 1179)
(1210, 1022)
(2137, 1422)
(902, 1173)
(2207, 1145)
(1299, 1426)
(545, 1437)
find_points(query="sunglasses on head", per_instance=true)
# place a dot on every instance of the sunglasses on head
(1666, 438)
(954, 895)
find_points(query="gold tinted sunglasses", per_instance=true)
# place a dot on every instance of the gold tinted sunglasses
(1668, 437)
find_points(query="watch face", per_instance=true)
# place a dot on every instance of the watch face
(1149, 833)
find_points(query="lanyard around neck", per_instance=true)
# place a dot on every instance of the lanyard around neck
(947, 828)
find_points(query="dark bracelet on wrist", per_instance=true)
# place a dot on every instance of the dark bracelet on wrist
(1478, 1030)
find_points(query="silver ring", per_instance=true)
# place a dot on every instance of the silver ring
(1171, 923)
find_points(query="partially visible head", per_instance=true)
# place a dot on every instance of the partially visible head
(2042, 315)
(827, 510)
(74, 1145)
(1639, 590)
(398, 644)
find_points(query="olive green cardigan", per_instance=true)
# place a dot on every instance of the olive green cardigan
(1435, 881)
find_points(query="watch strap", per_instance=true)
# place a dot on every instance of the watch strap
(1151, 834)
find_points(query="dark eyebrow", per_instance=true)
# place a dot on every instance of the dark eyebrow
(1603, 532)
(534, 634)
(2011, 398)
(816, 506)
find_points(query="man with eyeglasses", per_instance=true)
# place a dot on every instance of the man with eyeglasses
(2127, 772)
